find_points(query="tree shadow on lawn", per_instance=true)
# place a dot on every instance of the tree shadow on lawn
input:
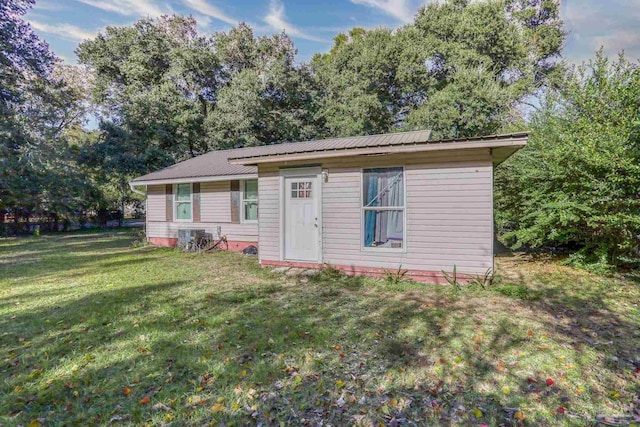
(332, 350)
(62, 263)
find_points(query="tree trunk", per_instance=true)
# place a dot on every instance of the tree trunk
(121, 219)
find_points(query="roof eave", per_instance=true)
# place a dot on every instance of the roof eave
(516, 141)
(142, 182)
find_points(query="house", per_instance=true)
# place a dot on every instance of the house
(361, 204)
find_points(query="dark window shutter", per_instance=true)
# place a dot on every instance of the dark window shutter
(196, 202)
(235, 201)
(169, 192)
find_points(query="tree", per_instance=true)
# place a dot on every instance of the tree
(24, 61)
(458, 69)
(576, 183)
(265, 98)
(168, 93)
(37, 104)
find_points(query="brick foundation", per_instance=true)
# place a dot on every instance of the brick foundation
(425, 276)
(163, 241)
(171, 242)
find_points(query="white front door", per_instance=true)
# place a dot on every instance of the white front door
(301, 218)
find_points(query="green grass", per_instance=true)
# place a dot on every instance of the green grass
(91, 326)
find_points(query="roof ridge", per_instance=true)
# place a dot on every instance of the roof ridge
(317, 140)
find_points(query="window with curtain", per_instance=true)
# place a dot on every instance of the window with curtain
(183, 202)
(249, 200)
(383, 208)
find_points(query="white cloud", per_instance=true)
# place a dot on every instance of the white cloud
(593, 24)
(399, 9)
(208, 9)
(277, 21)
(41, 6)
(65, 31)
(127, 7)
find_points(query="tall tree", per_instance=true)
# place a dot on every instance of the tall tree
(37, 104)
(458, 69)
(265, 98)
(168, 93)
(577, 181)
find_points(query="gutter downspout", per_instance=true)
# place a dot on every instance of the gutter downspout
(133, 188)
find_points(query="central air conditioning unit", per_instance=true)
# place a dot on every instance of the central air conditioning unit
(186, 238)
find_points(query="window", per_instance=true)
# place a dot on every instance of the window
(183, 202)
(301, 190)
(383, 208)
(249, 200)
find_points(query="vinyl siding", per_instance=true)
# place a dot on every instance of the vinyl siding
(215, 210)
(156, 203)
(449, 208)
(269, 214)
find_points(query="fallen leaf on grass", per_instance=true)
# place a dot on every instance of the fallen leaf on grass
(218, 407)
(477, 413)
(126, 391)
(145, 400)
(160, 407)
(518, 415)
(561, 410)
(549, 382)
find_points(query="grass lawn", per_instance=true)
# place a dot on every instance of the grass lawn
(97, 332)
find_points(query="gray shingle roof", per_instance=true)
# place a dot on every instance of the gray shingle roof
(215, 163)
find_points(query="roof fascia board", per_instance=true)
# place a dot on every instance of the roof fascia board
(412, 148)
(193, 179)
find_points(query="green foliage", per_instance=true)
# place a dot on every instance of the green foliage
(168, 93)
(459, 69)
(576, 183)
(42, 103)
(513, 291)
(395, 277)
(593, 260)
(483, 281)
(452, 278)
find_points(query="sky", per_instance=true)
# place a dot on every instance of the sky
(613, 24)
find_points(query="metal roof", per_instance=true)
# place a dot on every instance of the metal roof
(226, 163)
(348, 143)
(385, 143)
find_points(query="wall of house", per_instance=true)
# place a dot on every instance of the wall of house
(215, 210)
(449, 208)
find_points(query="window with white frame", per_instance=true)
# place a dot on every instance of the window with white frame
(249, 200)
(183, 202)
(383, 208)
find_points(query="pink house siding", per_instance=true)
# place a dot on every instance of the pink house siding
(449, 208)
(215, 210)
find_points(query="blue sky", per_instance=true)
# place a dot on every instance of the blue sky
(614, 24)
